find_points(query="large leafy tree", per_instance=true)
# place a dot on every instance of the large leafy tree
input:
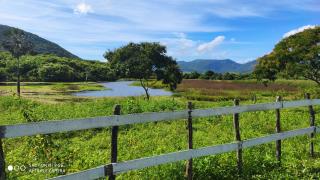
(144, 61)
(56, 72)
(295, 56)
(18, 45)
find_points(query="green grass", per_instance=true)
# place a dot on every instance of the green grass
(50, 92)
(90, 148)
(40, 87)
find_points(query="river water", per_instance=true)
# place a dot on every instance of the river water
(122, 89)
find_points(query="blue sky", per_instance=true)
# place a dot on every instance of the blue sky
(191, 29)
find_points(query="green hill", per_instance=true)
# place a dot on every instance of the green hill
(219, 66)
(42, 46)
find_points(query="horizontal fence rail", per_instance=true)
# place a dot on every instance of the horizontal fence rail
(116, 120)
(126, 166)
(48, 127)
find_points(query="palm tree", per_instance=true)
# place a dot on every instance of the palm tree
(18, 45)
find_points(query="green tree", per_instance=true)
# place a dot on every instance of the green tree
(194, 75)
(295, 56)
(143, 61)
(229, 76)
(18, 46)
(56, 72)
(208, 75)
(100, 72)
(3, 74)
(172, 75)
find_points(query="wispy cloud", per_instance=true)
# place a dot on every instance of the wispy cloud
(210, 45)
(186, 49)
(234, 12)
(82, 8)
(300, 29)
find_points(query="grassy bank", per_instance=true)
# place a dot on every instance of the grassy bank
(152, 84)
(50, 92)
(90, 148)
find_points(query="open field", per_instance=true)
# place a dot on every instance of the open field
(90, 148)
(221, 90)
(244, 89)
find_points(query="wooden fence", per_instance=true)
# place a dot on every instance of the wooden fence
(114, 168)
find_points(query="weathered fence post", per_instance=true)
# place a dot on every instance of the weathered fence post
(278, 130)
(254, 98)
(189, 173)
(114, 141)
(312, 123)
(2, 163)
(238, 137)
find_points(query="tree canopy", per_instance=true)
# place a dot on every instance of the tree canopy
(50, 68)
(295, 56)
(144, 61)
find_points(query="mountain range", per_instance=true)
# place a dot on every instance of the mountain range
(41, 45)
(219, 66)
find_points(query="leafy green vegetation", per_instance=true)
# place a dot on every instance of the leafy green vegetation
(210, 75)
(51, 68)
(81, 150)
(293, 57)
(153, 84)
(50, 92)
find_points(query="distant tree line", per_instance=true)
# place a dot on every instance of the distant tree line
(51, 68)
(210, 75)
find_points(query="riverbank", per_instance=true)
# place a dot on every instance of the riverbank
(50, 91)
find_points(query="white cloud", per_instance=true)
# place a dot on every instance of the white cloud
(179, 45)
(82, 8)
(180, 35)
(300, 29)
(233, 12)
(210, 45)
(187, 49)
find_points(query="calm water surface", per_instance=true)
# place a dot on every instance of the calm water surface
(122, 88)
